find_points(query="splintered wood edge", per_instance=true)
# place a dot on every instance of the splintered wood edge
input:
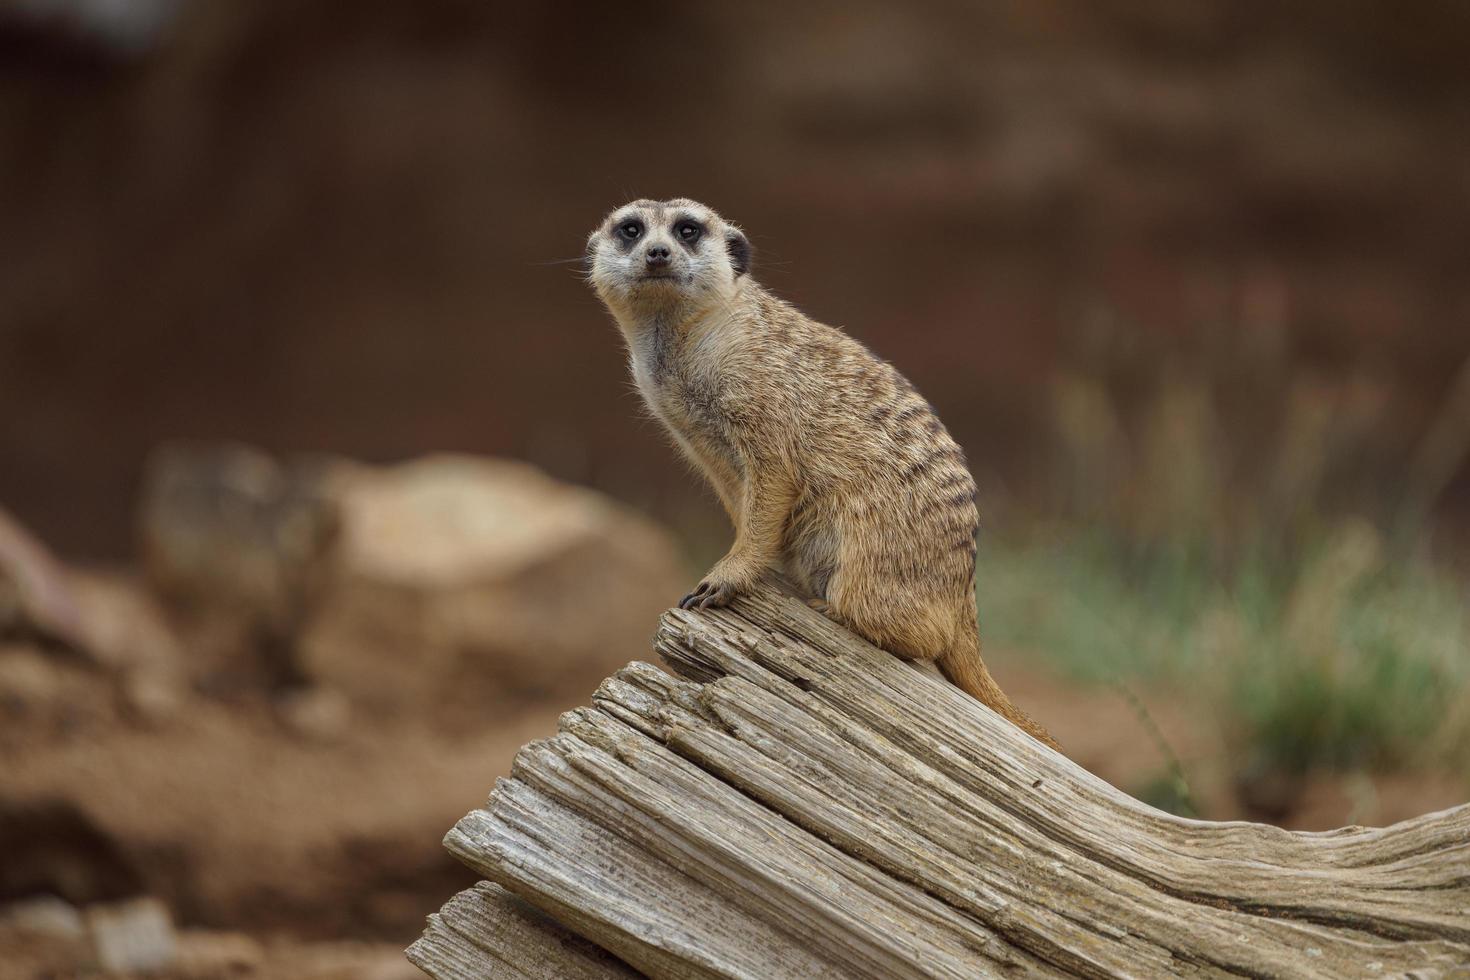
(486, 933)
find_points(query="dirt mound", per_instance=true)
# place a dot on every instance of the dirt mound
(268, 733)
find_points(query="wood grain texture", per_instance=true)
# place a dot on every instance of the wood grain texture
(792, 802)
(486, 933)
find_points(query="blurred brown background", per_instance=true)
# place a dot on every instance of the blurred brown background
(1186, 278)
(313, 225)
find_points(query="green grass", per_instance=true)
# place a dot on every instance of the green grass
(1337, 659)
(1235, 567)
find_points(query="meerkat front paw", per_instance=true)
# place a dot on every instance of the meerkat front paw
(721, 585)
(709, 595)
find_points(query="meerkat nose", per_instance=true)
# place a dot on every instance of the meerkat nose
(657, 256)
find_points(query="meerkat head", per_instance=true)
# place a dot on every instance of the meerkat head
(651, 256)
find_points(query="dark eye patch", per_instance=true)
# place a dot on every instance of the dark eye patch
(687, 231)
(626, 232)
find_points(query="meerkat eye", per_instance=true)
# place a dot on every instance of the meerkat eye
(688, 231)
(630, 230)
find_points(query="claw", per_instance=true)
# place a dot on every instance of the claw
(718, 596)
(691, 601)
(709, 595)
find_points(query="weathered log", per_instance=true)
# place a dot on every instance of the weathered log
(487, 933)
(797, 803)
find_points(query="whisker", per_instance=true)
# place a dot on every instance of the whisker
(579, 259)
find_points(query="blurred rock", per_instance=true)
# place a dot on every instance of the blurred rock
(41, 937)
(316, 713)
(129, 634)
(460, 581)
(453, 581)
(229, 525)
(107, 618)
(237, 543)
(407, 615)
(35, 598)
(124, 627)
(44, 915)
(137, 934)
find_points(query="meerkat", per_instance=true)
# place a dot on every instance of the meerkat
(832, 467)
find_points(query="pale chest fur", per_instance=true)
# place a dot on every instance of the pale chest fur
(680, 383)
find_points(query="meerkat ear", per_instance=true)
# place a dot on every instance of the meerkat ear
(739, 248)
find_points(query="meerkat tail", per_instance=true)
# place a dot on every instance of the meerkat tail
(966, 671)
